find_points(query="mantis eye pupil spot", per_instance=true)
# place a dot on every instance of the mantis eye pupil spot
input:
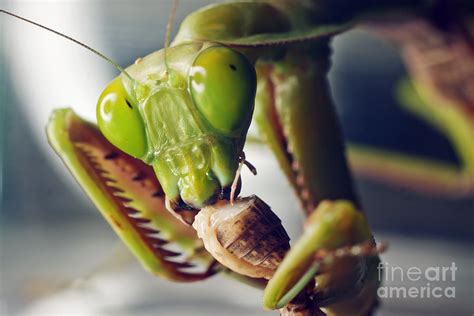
(111, 156)
(128, 104)
(232, 66)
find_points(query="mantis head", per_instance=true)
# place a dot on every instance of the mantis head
(186, 115)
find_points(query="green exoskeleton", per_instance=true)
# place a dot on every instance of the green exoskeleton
(169, 142)
(186, 116)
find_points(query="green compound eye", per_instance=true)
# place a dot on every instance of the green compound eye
(120, 122)
(222, 84)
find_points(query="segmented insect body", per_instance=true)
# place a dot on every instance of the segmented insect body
(245, 236)
(185, 111)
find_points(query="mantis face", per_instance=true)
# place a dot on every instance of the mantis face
(187, 115)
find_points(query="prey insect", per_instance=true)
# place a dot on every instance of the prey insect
(163, 164)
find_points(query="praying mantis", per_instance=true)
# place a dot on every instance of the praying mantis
(169, 143)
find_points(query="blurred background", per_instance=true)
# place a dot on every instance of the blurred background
(59, 257)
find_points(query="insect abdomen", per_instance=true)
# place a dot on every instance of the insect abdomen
(247, 237)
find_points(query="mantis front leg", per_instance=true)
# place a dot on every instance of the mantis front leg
(130, 198)
(296, 117)
(333, 264)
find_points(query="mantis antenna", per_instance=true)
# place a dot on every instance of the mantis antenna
(110, 61)
(169, 27)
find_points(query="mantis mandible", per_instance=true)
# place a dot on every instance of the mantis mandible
(169, 143)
